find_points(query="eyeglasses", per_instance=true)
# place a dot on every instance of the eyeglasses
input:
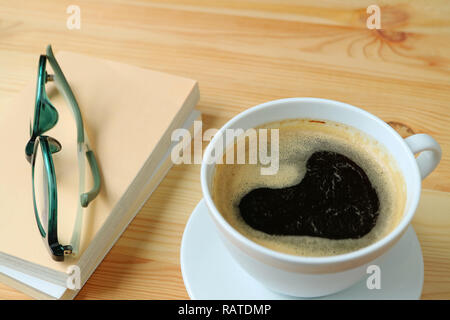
(39, 151)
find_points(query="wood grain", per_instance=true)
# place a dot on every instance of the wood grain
(244, 53)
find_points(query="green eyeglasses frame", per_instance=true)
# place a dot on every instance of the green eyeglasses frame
(45, 118)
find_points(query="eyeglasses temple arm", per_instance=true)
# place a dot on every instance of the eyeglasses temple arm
(61, 81)
(87, 197)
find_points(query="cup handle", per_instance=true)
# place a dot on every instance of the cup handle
(430, 152)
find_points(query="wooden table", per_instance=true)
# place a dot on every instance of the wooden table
(244, 53)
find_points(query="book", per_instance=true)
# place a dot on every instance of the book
(129, 114)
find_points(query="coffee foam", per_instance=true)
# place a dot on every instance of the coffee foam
(298, 139)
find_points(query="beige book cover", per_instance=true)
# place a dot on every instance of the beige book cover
(129, 112)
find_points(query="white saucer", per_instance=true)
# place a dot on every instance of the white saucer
(209, 272)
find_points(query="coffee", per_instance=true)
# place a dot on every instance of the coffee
(337, 190)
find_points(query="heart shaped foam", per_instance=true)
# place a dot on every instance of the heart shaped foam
(334, 200)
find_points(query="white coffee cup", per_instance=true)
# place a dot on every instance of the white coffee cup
(318, 276)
